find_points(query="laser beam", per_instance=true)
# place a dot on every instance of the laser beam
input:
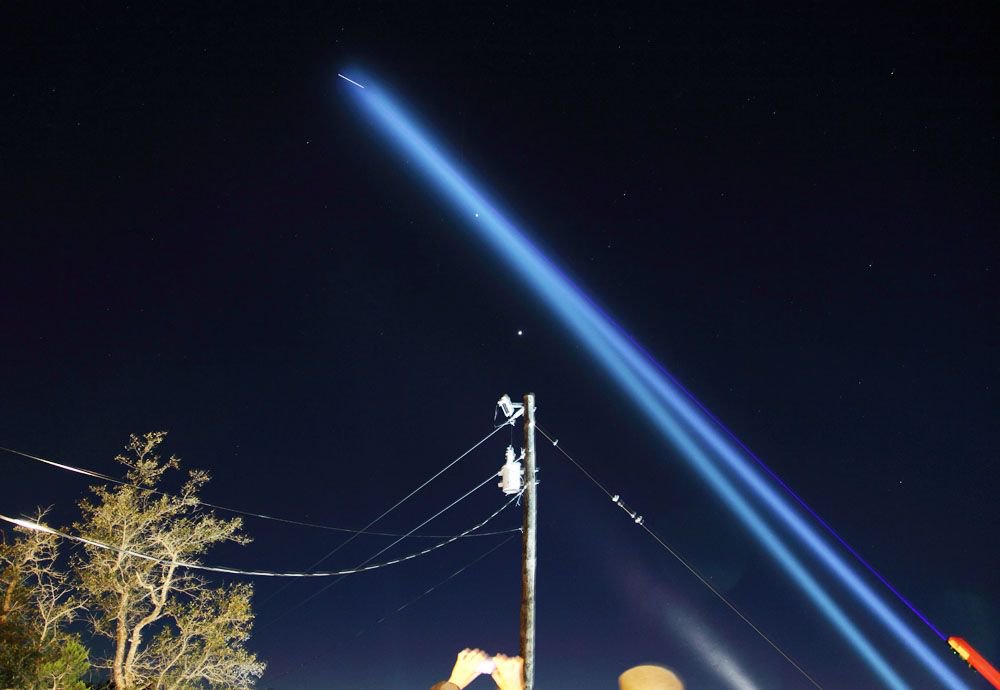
(665, 404)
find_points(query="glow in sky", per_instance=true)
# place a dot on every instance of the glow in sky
(670, 409)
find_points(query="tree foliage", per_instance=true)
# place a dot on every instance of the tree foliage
(64, 663)
(169, 628)
(37, 602)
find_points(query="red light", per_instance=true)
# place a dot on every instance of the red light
(975, 660)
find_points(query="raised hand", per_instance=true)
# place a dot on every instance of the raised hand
(509, 672)
(468, 665)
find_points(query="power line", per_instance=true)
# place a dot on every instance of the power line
(451, 505)
(423, 594)
(32, 525)
(638, 519)
(364, 530)
(429, 590)
(788, 489)
(237, 511)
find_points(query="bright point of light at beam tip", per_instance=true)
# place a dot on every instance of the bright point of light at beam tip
(347, 79)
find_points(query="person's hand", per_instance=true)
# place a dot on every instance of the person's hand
(509, 672)
(467, 667)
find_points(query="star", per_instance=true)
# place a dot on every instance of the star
(520, 332)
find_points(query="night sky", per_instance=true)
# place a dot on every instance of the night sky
(793, 209)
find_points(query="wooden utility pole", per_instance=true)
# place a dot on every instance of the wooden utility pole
(528, 558)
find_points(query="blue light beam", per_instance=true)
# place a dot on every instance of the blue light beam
(668, 406)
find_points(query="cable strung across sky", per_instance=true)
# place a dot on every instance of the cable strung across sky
(703, 443)
(238, 511)
(38, 527)
(638, 519)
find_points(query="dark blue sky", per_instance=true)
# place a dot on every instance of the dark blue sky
(794, 210)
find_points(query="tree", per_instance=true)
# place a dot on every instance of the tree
(170, 629)
(36, 652)
(63, 665)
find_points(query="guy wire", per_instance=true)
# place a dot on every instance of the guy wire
(639, 521)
